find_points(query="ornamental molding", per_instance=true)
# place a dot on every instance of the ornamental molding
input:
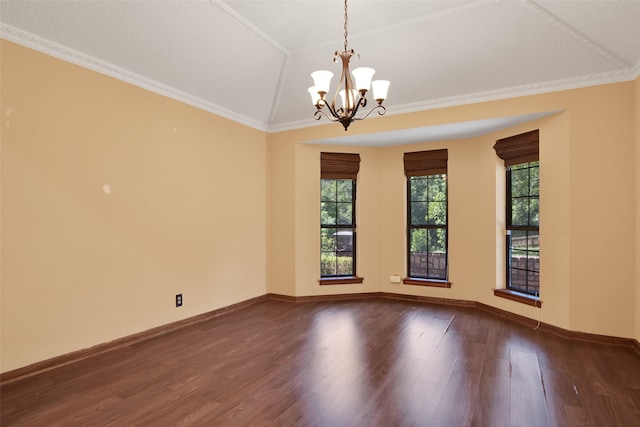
(56, 50)
(59, 51)
(578, 35)
(493, 95)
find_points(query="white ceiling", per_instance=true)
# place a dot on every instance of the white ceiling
(250, 60)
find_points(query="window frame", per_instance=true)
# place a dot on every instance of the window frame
(510, 228)
(426, 164)
(514, 150)
(337, 227)
(412, 227)
(337, 166)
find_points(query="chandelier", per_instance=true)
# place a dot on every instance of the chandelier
(353, 97)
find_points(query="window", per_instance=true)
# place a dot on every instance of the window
(523, 229)
(427, 232)
(338, 173)
(521, 158)
(337, 227)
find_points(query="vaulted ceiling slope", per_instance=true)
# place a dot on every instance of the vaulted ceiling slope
(250, 60)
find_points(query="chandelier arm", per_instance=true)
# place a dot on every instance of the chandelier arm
(381, 110)
(335, 112)
(362, 102)
(319, 113)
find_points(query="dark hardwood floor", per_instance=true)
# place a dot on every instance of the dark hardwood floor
(375, 362)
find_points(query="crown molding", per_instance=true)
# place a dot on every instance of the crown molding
(56, 50)
(284, 72)
(61, 52)
(486, 96)
(518, 91)
(248, 25)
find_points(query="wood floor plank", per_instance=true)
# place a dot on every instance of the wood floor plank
(561, 397)
(339, 363)
(492, 403)
(528, 399)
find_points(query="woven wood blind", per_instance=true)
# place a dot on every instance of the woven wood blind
(422, 163)
(339, 165)
(523, 148)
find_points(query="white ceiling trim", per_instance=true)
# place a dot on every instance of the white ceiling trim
(493, 95)
(232, 13)
(626, 72)
(517, 91)
(578, 35)
(56, 50)
(284, 72)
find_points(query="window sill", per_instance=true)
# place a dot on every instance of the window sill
(346, 280)
(426, 282)
(518, 297)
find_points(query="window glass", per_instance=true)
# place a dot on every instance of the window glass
(337, 227)
(427, 228)
(523, 234)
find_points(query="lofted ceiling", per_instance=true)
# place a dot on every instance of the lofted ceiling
(250, 60)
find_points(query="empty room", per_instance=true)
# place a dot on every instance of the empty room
(320, 213)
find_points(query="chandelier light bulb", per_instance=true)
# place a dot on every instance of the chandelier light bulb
(363, 77)
(380, 89)
(315, 96)
(349, 104)
(322, 80)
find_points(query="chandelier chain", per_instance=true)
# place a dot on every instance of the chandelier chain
(346, 21)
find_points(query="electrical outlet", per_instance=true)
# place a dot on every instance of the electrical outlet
(179, 300)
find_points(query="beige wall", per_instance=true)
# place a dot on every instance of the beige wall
(602, 178)
(587, 208)
(81, 267)
(637, 122)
